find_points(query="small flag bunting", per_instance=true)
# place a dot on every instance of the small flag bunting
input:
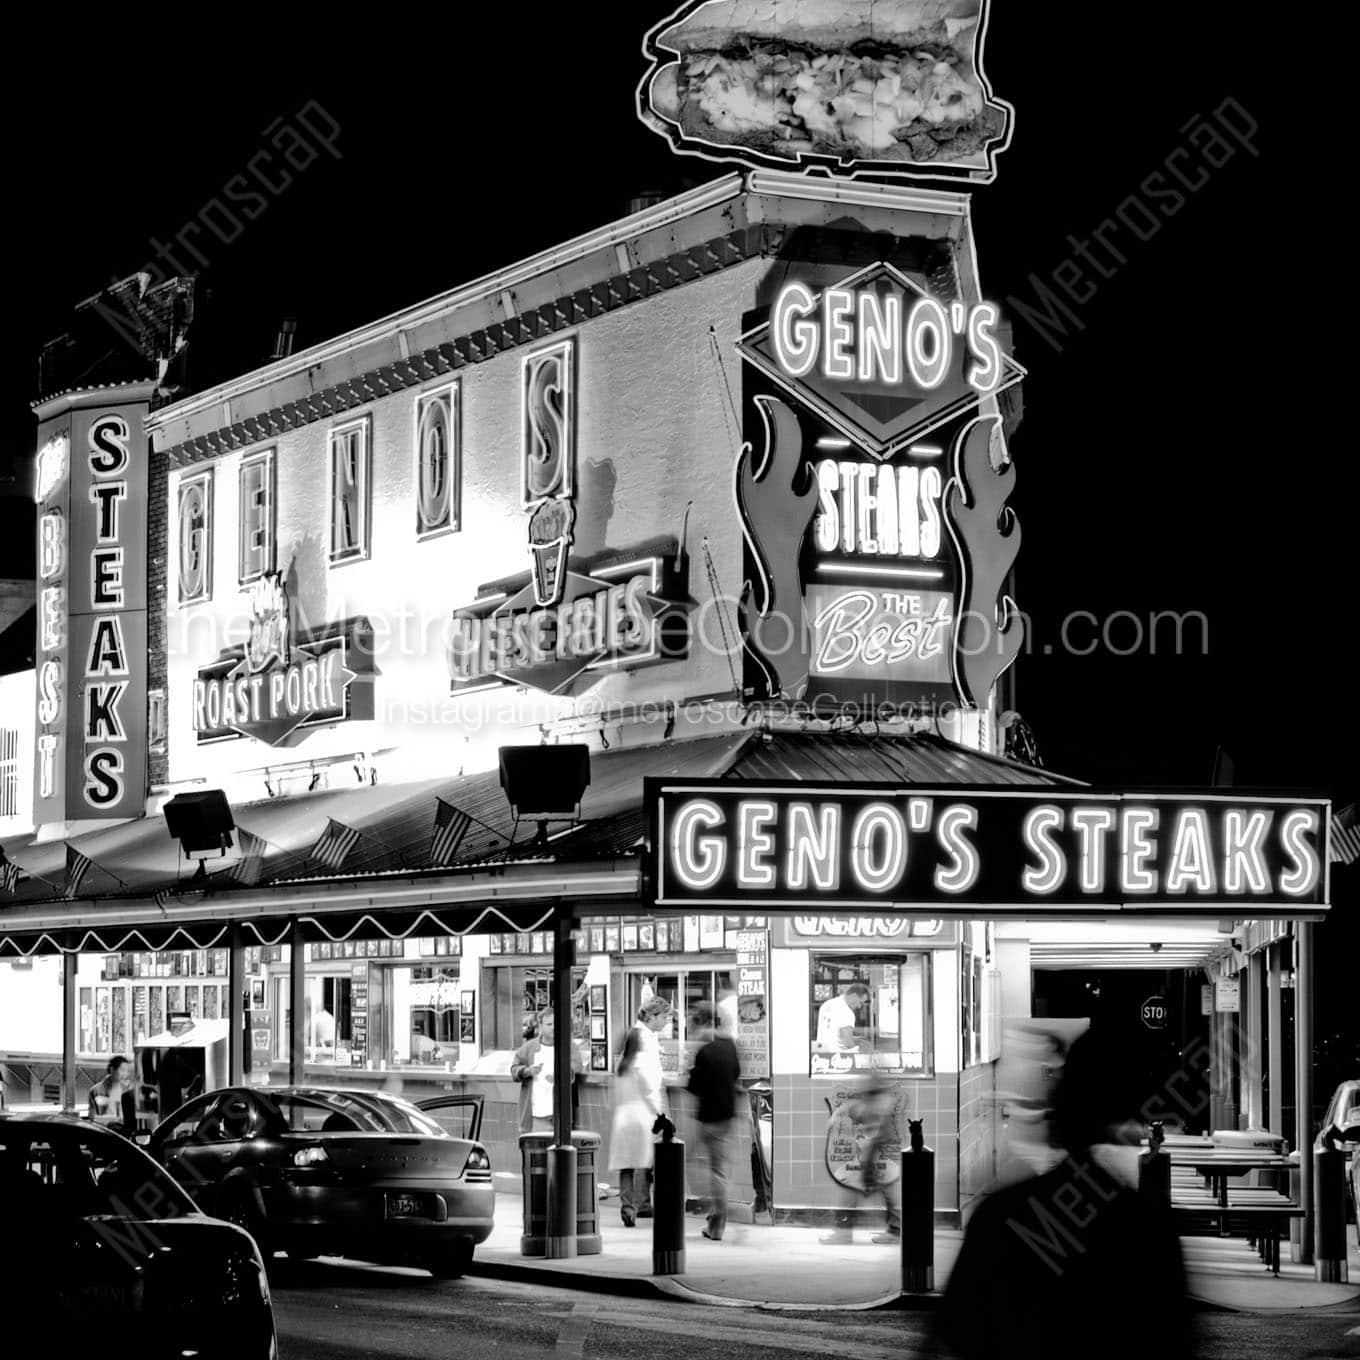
(335, 844)
(250, 866)
(9, 874)
(1346, 835)
(450, 826)
(77, 866)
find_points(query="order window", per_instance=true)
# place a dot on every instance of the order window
(684, 990)
(870, 1013)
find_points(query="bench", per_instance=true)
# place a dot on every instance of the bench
(1261, 1216)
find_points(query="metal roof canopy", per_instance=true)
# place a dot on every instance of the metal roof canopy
(1126, 944)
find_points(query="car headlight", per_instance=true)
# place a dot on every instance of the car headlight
(310, 1156)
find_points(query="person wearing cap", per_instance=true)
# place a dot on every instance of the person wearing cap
(639, 1098)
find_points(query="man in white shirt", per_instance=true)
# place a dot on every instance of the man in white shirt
(836, 1020)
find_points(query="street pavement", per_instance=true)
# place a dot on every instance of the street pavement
(332, 1311)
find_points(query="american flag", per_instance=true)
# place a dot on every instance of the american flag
(9, 874)
(337, 840)
(450, 826)
(77, 866)
(251, 864)
(1346, 835)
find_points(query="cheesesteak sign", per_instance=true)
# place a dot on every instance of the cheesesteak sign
(829, 848)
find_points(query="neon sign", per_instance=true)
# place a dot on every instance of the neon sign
(832, 848)
(271, 686)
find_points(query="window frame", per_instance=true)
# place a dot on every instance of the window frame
(861, 964)
(363, 426)
(453, 523)
(204, 481)
(266, 458)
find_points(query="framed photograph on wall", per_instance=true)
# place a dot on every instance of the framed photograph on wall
(611, 939)
(598, 1002)
(469, 1003)
(597, 1027)
(646, 935)
(597, 939)
(599, 1057)
(256, 994)
(494, 944)
(630, 936)
(663, 937)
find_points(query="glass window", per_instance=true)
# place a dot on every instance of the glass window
(512, 995)
(684, 990)
(349, 491)
(870, 1013)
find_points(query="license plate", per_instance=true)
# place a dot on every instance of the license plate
(405, 1206)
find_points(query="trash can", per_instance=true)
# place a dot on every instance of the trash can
(533, 1151)
(588, 1240)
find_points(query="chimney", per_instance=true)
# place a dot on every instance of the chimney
(283, 341)
(647, 198)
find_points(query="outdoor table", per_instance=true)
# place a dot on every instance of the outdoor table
(1217, 1170)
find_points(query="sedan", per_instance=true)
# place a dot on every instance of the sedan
(1341, 1130)
(100, 1243)
(318, 1172)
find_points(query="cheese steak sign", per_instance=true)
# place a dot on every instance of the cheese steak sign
(837, 849)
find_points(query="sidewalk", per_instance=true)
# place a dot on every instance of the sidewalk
(786, 1267)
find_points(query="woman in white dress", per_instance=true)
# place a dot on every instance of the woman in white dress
(639, 1097)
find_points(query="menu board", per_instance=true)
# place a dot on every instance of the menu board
(753, 1002)
(358, 1014)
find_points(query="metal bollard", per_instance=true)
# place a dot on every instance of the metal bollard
(561, 1242)
(668, 1202)
(918, 1214)
(1154, 1170)
(1329, 1215)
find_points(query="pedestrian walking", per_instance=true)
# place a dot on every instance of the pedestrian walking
(639, 1098)
(1074, 1262)
(713, 1080)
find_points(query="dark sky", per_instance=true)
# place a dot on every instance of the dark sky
(1156, 470)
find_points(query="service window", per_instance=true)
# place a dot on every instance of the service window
(684, 990)
(870, 1012)
(512, 994)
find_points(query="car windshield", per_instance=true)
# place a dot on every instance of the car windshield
(83, 1173)
(319, 1111)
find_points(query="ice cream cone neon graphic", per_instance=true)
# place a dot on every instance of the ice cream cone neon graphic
(549, 535)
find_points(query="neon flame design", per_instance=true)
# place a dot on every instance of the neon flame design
(775, 516)
(986, 534)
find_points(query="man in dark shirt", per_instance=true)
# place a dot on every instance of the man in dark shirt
(713, 1079)
(1074, 1263)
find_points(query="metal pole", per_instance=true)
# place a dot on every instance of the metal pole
(1215, 1062)
(1303, 1066)
(562, 1185)
(1275, 1041)
(236, 1005)
(68, 1031)
(1254, 1097)
(297, 1005)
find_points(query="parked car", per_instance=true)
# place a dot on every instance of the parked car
(1341, 1129)
(98, 1239)
(318, 1172)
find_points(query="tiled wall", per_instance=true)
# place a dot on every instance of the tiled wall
(803, 1187)
(980, 1117)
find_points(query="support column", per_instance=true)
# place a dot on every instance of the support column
(236, 1006)
(1252, 1055)
(1215, 1063)
(68, 1031)
(297, 1005)
(562, 1180)
(1303, 1067)
(1275, 1040)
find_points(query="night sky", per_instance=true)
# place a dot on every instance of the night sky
(1156, 469)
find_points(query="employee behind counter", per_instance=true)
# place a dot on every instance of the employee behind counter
(113, 1101)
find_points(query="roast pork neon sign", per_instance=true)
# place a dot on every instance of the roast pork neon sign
(836, 848)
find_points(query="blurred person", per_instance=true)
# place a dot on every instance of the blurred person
(639, 1099)
(1074, 1262)
(836, 1019)
(878, 1149)
(729, 1012)
(108, 1097)
(713, 1080)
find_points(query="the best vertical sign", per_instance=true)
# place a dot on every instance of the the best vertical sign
(91, 719)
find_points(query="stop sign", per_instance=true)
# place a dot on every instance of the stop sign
(1155, 1012)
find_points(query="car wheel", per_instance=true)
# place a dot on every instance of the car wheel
(451, 1262)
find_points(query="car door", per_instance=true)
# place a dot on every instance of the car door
(200, 1152)
(460, 1115)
